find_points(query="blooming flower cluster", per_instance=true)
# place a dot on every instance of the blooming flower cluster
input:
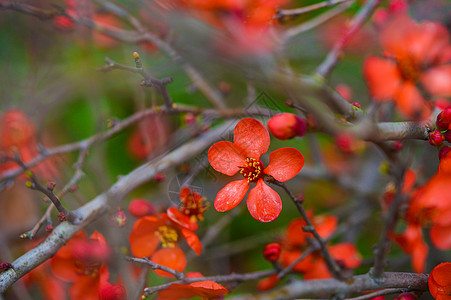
(416, 58)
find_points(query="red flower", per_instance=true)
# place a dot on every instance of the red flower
(313, 266)
(51, 287)
(414, 54)
(18, 132)
(82, 261)
(150, 232)
(193, 205)
(205, 289)
(439, 282)
(251, 140)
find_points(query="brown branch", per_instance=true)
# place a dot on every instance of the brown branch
(39, 13)
(155, 266)
(381, 293)
(217, 278)
(357, 284)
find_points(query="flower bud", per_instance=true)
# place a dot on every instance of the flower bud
(112, 292)
(406, 296)
(444, 119)
(49, 228)
(356, 104)
(119, 219)
(436, 138)
(345, 142)
(271, 252)
(5, 266)
(159, 177)
(62, 217)
(190, 118)
(447, 136)
(286, 126)
(140, 208)
(396, 146)
(443, 152)
(51, 185)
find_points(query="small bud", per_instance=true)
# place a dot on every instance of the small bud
(447, 136)
(271, 252)
(140, 208)
(49, 228)
(29, 173)
(300, 197)
(111, 123)
(405, 296)
(62, 217)
(444, 119)
(436, 138)
(443, 152)
(286, 126)
(190, 118)
(29, 184)
(73, 188)
(356, 104)
(5, 266)
(224, 87)
(159, 177)
(119, 219)
(345, 142)
(396, 146)
(51, 185)
(289, 103)
(26, 235)
(136, 55)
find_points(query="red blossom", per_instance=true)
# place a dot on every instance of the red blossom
(286, 126)
(436, 138)
(251, 140)
(151, 232)
(271, 252)
(413, 54)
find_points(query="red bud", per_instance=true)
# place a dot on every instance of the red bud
(140, 208)
(405, 296)
(443, 152)
(286, 126)
(436, 138)
(444, 119)
(119, 219)
(271, 252)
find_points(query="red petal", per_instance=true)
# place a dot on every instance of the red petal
(284, 164)
(409, 101)
(85, 288)
(231, 195)
(173, 258)
(382, 76)
(296, 236)
(264, 203)
(437, 81)
(226, 157)
(325, 225)
(64, 268)
(143, 241)
(252, 136)
(439, 281)
(347, 253)
(183, 220)
(441, 237)
(192, 240)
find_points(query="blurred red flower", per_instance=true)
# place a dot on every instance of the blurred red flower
(414, 54)
(82, 261)
(251, 140)
(151, 232)
(206, 289)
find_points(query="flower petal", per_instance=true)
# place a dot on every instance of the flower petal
(284, 164)
(143, 241)
(85, 288)
(181, 219)
(192, 240)
(264, 203)
(437, 81)
(382, 76)
(410, 102)
(347, 253)
(231, 195)
(173, 258)
(441, 237)
(226, 157)
(439, 281)
(252, 136)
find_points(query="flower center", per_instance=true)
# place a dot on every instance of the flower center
(409, 69)
(252, 169)
(194, 206)
(168, 236)
(87, 268)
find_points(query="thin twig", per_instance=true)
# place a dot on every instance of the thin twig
(295, 12)
(285, 271)
(381, 293)
(155, 266)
